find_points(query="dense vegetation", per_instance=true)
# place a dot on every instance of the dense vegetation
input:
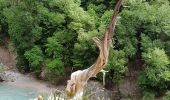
(56, 36)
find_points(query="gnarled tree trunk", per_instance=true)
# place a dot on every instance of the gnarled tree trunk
(79, 78)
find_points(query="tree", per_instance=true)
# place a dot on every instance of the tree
(156, 75)
(35, 59)
(79, 78)
(23, 30)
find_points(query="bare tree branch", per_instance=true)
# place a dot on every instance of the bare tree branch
(79, 78)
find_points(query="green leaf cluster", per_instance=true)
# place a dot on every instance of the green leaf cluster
(156, 74)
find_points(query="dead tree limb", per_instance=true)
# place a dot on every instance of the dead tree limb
(79, 78)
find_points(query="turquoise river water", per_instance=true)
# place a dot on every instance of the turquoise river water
(9, 92)
(23, 87)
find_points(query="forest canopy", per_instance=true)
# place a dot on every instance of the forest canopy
(56, 36)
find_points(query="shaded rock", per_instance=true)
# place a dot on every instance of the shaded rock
(1, 73)
(129, 88)
(126, 99)
(43, 74)
(116, 94)
(8, 76)
(95, 91)
(1, 77)
(1, 80)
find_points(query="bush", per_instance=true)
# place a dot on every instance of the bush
(54, 68)
(167, 96)
(3, 23)
(156, 74)
(23, 31)
(35, 58)
(117, 64)
(148, 96)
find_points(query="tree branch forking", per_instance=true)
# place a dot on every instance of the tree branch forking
(79, 78)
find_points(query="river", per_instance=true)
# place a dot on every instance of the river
(23, 87)
(9, 92)
(19, 86)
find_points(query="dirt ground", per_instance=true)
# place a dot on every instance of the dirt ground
(7, 58)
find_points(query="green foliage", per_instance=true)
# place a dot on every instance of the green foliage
(55, 65)
(156, 57)
(148, 96)
(23, 31)
(141, 17)
(56, 34)
(20, 26)
(148, 43)
(54, 48)
(167, 96)
(54, 68)
(117, 62)
(35, 58)
(143, 32)
(58, 31)
(167, 47)
(156, 74)
(3, 23)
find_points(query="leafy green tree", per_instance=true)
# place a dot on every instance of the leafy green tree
(156, 74)
(23, 30)
(55, 69)
(54, 64)
(3, 23)
(35, 59)
(116, 65)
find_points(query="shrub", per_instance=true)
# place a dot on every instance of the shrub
(54, 68)
(23, 31)
(156, 74)
(35, 58)
(167, 96)
(117, 63)
(148, 96)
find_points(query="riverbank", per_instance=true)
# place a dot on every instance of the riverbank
(94, 89)
(17, 79)
(13, 78)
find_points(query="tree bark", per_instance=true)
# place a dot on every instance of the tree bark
(79, 78)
